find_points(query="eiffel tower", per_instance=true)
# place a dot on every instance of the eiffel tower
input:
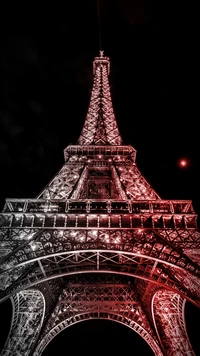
(99, 243)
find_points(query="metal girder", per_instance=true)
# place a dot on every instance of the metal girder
(144, 242)
(57, 266)
(168, 315)
(28, 316)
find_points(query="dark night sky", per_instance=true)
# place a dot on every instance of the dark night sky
(46, 61)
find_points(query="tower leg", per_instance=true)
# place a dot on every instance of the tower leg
(28, 314)
(168, 316)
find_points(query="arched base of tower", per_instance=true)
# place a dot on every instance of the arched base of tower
(108, 337)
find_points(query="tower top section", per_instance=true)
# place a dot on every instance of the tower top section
(101, 60)
(100, 127)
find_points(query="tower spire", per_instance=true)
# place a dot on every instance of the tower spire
(100, 127)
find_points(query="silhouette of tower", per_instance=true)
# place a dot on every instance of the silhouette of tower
(99, 243)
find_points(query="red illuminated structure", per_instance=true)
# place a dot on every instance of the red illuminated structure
(99, 243)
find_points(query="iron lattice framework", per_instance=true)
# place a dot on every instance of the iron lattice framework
(98, 242)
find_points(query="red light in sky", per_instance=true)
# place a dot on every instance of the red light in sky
(183, 163)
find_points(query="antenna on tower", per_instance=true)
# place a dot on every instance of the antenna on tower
(99, 24)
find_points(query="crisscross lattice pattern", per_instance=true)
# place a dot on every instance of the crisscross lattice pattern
(100, 125)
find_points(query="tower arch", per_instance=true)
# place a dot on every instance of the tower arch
(135, 327)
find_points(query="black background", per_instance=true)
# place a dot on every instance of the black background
(46, 60)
